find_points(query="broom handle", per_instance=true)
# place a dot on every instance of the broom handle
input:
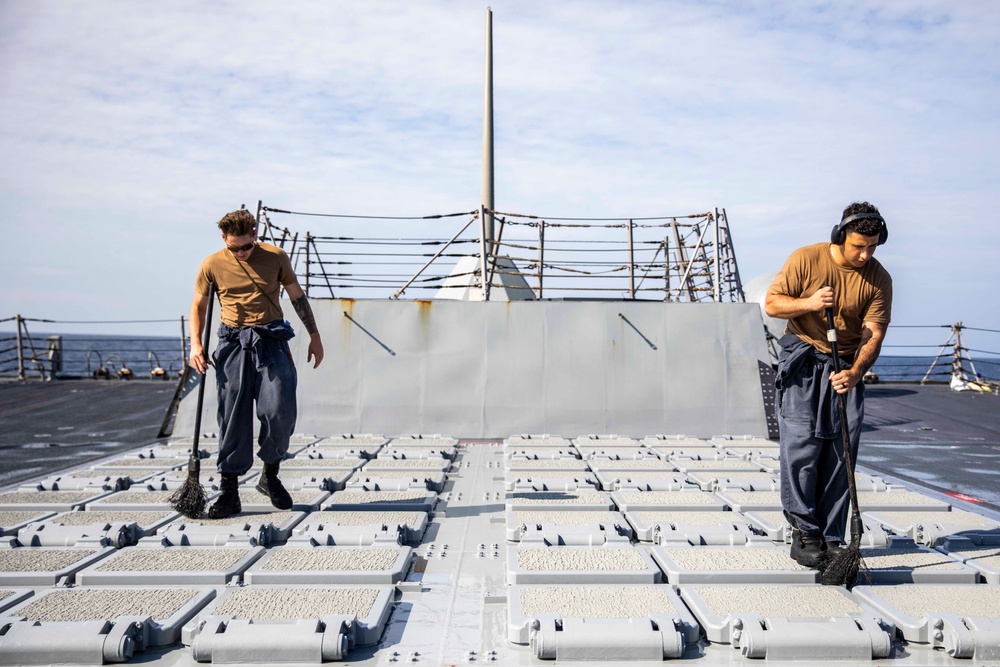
(206, 340)
(856, 526)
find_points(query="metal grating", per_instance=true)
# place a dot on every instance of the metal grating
(756, 564)
(332, 565)
(85, 604)
(28, 559)
(594, 601)
(62, 501)
(151, 518)
(158, 560)
(284, 604)
(176, 565)
(45, 566)
(609, 564)
(331, 559)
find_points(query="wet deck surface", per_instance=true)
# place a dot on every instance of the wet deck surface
(48, 426)
(929, 435)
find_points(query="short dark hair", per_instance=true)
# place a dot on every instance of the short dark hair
(865, 226)
(238, 223)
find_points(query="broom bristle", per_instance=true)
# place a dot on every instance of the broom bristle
(190, 499)
(842, 569)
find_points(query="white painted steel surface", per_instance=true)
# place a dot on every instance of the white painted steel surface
(488, 369)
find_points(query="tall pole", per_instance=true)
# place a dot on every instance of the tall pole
(184, 349)
(631, 263)
(268, 233)
(487, 183)
(20, 351)
(718, 258)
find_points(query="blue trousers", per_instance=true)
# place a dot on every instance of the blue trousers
(253, 364)
(814, 489)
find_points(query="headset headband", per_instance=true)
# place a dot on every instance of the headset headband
(862, 216)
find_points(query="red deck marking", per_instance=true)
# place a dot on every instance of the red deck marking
(962, 496)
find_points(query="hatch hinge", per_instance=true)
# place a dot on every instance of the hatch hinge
(653, 638)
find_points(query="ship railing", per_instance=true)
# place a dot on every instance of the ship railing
(667, 258)
(953, 362)
(62, 352)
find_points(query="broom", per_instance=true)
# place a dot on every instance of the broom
(842, 569)
(190, 499)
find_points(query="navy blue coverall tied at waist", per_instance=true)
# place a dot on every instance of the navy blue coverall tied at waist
(814, 490)
(254, 363)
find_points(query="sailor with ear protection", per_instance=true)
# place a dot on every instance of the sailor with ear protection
(841, 275)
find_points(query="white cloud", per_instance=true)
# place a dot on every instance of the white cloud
(127, 130)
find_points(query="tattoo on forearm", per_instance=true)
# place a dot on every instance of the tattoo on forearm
(305, 313)
(867, 354)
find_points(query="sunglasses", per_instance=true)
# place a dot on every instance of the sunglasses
(242, 248)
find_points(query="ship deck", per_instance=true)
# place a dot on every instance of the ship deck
(438, 550)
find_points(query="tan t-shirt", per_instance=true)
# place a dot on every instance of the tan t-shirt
(860, 295)
(242, 303)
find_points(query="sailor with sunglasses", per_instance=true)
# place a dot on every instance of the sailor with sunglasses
(252, 362)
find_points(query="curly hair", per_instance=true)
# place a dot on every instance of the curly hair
(238, 223)
(865, 226)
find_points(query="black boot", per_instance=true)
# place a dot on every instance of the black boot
(832, 549)
(228, 503)
(808, 550)
(271, 486)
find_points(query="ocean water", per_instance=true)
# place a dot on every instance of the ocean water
(913, 369)
(81, 355)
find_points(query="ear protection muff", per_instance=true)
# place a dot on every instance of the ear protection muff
(838, 236)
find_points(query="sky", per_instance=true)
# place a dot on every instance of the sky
(127, 129)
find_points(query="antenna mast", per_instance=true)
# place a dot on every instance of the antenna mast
(487, 183)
